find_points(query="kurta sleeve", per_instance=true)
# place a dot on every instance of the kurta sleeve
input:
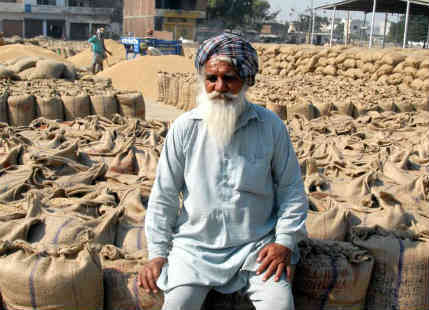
(163, 205)
(290, 197)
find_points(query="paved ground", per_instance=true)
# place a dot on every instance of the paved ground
(161, 112)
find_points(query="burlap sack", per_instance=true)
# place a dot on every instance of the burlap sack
(48, 69)
(278, 109)
(163, 85)
(173, 91)
(15, 181)
(390, 218)
(50, 108)
(122, 291)
(76, 106)
(306, 109)
(400, 278)
(64, 227)
(130, 233)
(22, 110)
(24, 64)
(326, 224)
(131, 105)
(345, 108)
(332, 275)
(6, 73)
(104, 105)
(16, 229)
(64, 278)
(147, 162)
(3, 108)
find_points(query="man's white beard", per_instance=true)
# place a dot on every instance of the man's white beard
(220, 113)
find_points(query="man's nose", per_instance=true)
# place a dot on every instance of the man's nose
(221, 86)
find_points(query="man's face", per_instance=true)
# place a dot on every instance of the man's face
(221, 77)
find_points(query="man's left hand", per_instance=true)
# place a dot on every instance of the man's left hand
(273, 259)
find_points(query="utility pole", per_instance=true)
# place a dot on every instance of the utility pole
(313, 21)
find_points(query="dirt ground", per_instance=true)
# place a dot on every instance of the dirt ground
(161, 112)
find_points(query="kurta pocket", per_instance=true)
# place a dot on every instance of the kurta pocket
(253, 175)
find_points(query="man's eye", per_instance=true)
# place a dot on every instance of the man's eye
(211, 78)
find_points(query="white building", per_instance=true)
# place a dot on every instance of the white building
(72, 19)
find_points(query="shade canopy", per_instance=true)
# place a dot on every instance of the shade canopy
(417, 7)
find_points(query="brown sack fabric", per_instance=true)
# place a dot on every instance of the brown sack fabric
(332, 275)
(400, 279)
(122, 291)
(68, 278)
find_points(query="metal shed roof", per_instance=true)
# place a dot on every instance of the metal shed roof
(417, 7)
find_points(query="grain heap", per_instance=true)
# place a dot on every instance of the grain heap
(140, 73)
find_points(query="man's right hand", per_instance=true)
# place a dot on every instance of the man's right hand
(150, 273)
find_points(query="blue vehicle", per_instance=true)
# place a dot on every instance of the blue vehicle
(134, 46)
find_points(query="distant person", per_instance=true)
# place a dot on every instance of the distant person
(99, 50)
(149, 50)
(2, 39)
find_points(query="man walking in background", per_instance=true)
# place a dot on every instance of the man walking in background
(99, 51)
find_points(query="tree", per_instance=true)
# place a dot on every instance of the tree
(239, 13)
(417, 29)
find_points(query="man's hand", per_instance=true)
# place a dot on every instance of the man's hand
(150, 273)
(274, 259)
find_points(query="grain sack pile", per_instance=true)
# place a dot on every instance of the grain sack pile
(12, 51)
(73, 205)
(316, 96)
(57, 99)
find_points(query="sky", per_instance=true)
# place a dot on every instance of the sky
(299, 6)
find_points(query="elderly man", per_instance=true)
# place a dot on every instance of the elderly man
(244, 204)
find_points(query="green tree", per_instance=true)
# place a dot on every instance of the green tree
(417, 29)
(239, 13)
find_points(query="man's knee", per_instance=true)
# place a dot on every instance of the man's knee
(185, 298)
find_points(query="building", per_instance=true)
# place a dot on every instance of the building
(71, 19)
(170, 19)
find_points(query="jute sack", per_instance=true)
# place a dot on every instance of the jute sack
(16, 229)
(15, 181)
(147, 161)
(346, 108)
(23, 64)
(104, 105)
(278, 109)
(328, 224)
(308, 110)
(163, 80)
(64, 227)
(76, 106)
(131, 105)
(6, 73)
(400, 279)
(48, 69)
(130, 233)
(21, 110)
(63, 278)
(332, 275)
(389, 218)
(3, 108)
(121, 288)
(173, 91)
(50, 108)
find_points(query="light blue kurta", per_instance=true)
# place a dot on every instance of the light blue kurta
(235, 201)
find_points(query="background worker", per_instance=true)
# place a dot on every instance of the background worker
(149, 50)
(99, 51)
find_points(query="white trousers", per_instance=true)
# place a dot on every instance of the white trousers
(264, 295)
